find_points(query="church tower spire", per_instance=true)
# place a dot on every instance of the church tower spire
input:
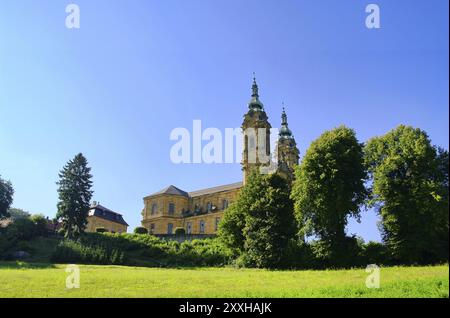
(255, 103)
(284, 130)
(256, 132)
(287, 151)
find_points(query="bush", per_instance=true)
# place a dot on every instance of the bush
(100, 230)
(140, 230)
(376, 253)
(180, 231)
(142, 250)
(344, 253)
(21, 229)
(69, 251)
(299, 255)
(40, 225)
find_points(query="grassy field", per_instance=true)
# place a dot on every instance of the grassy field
(47, 280)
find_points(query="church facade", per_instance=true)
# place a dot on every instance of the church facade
(200, 212)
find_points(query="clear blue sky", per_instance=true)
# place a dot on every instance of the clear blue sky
(115, 88)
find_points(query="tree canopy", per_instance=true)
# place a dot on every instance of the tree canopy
(329, 186)
(18, 213)
(260, 224)
(6, 197)
(410, 192)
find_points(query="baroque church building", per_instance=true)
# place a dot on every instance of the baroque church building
(199, 212)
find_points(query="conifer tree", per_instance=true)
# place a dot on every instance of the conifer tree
(74, 195)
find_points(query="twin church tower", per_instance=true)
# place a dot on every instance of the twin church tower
(199, 212)
(256, 132)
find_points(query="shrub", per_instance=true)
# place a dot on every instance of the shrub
(141, 250)
(40, 225)
(376, 253)
(180, 231)
(299, 255)
(100, 230)
(140, 230)
(21, 229)
(69, 251)
(344, 253)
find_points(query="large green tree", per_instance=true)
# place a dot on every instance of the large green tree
(6, 197)
(329, 186)
(260, 224)
(17, 214)
(410, 192)
(74, 195)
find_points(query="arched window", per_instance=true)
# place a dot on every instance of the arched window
(170, 228)
(208, 206)
(154, 208)
(202, 226)
(189, 228)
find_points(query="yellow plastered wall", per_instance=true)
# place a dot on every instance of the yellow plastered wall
(161, 219)
(95, 222)
(162, 205)
(161, 224)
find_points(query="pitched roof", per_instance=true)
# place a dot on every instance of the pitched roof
(221, 188)
(171, 190)
(176, 191)
(107, 214)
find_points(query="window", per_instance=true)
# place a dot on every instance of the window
(251, 142)
(216, 225)
(171, 208)
(189, 228)
(224, 204)
(202, 226)
(152, 228)
(170, 228)
(154, 208)
(208, 206)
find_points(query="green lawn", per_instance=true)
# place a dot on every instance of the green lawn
(46, 280)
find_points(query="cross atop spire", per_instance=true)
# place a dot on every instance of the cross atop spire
(254, 87)
(283, 117)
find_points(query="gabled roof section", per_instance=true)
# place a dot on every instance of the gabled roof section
(226, 187)
(107, 214)
(172, 190)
